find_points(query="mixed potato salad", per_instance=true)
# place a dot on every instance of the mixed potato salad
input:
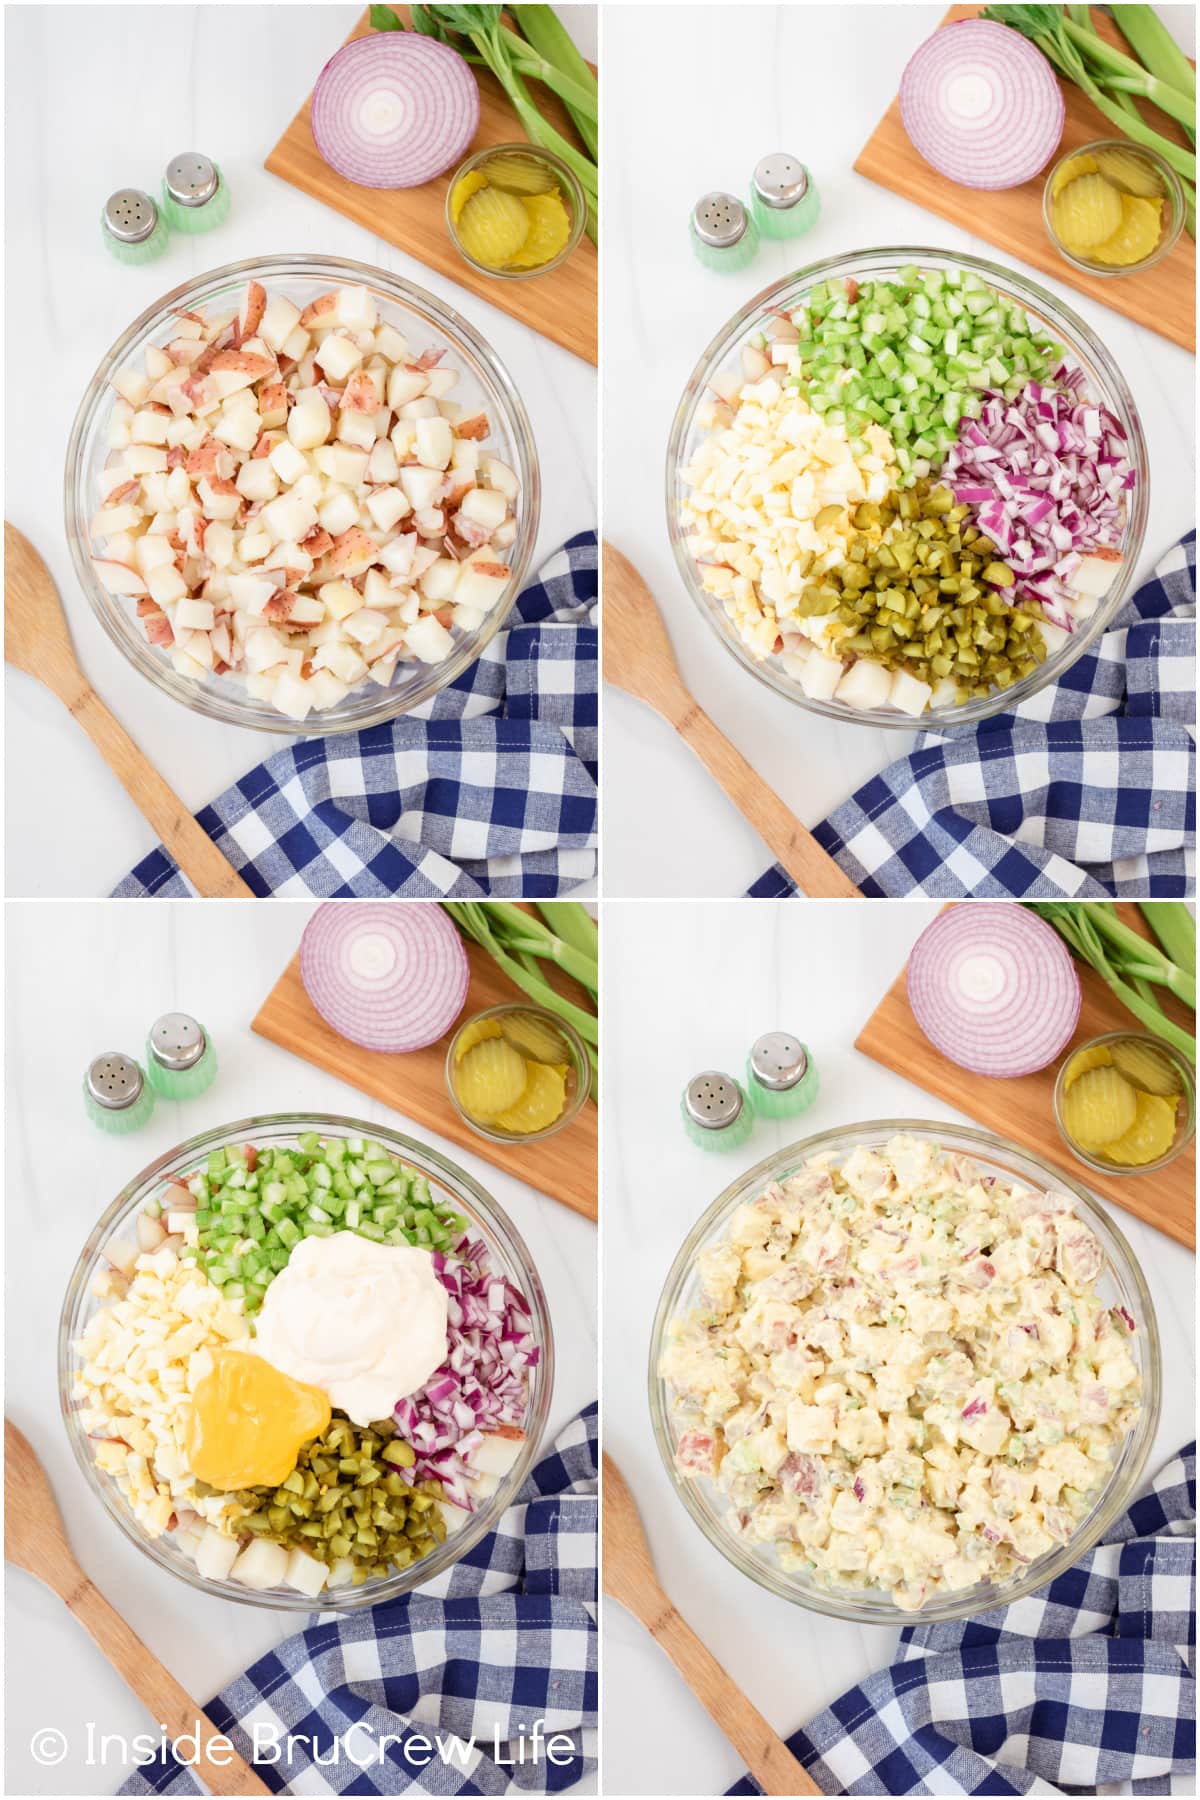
(305, 1368)
(900, 1374)
(903, 495)
(293, 499)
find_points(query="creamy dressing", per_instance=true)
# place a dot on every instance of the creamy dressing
(365, 1322)
(900, 1374)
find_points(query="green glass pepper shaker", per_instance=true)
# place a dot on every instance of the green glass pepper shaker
(116, 1095)
(133, 228)
(724, 236)
(195, 193)
(784, 202)
(781, 1077)
(715, 1113)
(180, 1060)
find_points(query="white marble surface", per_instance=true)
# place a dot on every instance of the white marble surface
(80, 979)
(100, 97)
(688, 988)
(814, 79)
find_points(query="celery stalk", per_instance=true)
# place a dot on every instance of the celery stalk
(573, 923)
(1150, 40)
(1175, 929)
(552, 41)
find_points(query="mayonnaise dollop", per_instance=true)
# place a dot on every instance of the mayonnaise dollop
(364, 1321)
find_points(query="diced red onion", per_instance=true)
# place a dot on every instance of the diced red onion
(389, 977)
(1069, 500)
(483, 1383)
(982, 105)
(994, 988)
(394, 109)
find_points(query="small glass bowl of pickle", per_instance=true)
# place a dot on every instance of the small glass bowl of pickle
(517, 1073)
(514, 211)
(1125, 1103)
(1112, 207)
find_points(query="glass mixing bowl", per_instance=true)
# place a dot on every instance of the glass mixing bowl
(484, 386)
(450, 1182)
(1121, 1283)
(1106, 383)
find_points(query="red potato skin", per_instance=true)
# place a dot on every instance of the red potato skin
(322, 308)
(493, 568)
(475, 427)
(256, 306)
(361, 394)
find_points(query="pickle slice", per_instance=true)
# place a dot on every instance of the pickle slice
(1099, 1108)
(1135, 237)
(490, 1079)
(541, 1103)
(1147, 1068)
(1149, 1137)
(476, 1033)
(534, 1037)
(473, 182)
(520, 175)
(1129, 172)
(549, 230)
(1087, 212)
(493, 226)
(1074, 167)
(1096, 1056)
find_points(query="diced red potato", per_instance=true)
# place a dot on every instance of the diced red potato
(286, 490)
(696, 1453)
(252, 309)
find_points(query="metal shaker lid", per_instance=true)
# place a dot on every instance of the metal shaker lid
(712, 1100)
(719, 220)
(114, 1081)
(130, 216)
(778, 1061)
(191, 179)
(780, 180)
(177, 1041)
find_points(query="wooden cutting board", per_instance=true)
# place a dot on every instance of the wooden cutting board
(1022, 1109)
(563, 1166)
(560, 305)
(1163, 299)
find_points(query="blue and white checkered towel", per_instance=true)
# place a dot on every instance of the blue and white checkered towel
(1088, 1684)
(432, 1693)
(490, 788)
(1085, 791)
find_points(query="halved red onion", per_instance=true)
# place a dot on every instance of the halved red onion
(394, 109)
(390, 975)
(994, 988)
(982, 105)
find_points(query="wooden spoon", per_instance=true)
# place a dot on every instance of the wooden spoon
(638, 658)
(34, 1540)
(37, 641)
(630, 1578)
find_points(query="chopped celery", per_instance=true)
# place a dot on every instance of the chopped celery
(250, 1222)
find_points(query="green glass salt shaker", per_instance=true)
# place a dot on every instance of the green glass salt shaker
(116, 1095)
(781, 1077)
(715, 1113)
(134, 229)
(784, 202)
(180, 1060)
(723, 234)
(195, 194)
